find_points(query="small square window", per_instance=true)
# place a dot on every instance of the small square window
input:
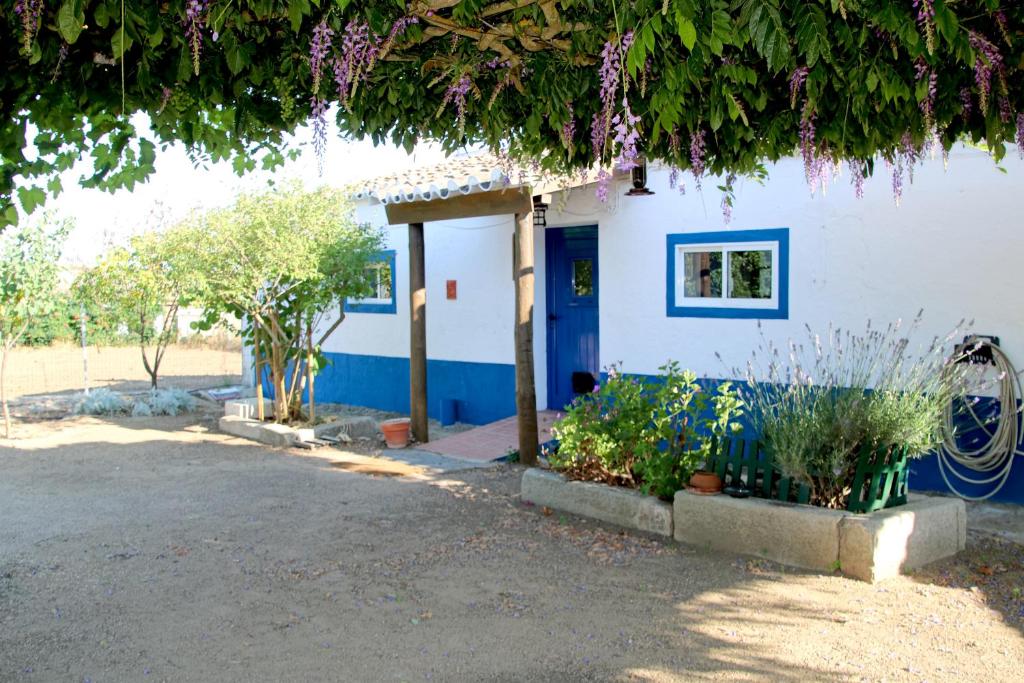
(735, 274)
(381, 276)
(583, 277)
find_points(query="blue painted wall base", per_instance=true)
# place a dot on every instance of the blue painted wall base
(481, 392)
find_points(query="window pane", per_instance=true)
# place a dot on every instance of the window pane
(702, 274)
(583, 277)
(384, 286)
(750, 274)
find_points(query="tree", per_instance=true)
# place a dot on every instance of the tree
(718, 86)
(280, 261)
(29, 287)
(142, 286)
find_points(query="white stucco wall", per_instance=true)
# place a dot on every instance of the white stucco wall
(951, 249)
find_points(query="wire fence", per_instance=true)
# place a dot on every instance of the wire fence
(39, 372)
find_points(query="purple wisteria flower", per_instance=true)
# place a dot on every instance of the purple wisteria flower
(29, 11)
(195, 22)
(674, 175)
(698, 153)
(319, 116)
(858, 170)
(626, 137)
(926, 20)
(355, 55)
(397, 29)
(966, 102)
(808, 151)
(603, 181)
(165, 97)
(456, 93)
(728, 194)
(1020, 135)
(987, 61)
(319, 47)
(569, 127)
(1004, 26)
(796, 84)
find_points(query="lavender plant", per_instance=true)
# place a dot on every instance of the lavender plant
(815, 404)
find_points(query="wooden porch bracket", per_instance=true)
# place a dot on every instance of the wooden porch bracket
(418, 335)
(526, 392)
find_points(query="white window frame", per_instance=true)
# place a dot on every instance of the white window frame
(378, 266)
(725, 301)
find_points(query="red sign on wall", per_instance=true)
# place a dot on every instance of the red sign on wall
(451, 289)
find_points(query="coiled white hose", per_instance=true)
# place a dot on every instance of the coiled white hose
(993, 460)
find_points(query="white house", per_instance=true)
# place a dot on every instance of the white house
(644, 279)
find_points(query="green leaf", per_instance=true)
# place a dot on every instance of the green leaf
(31, 198)
(687, 31)
(69, 22)
(120, 43)
(296, 10)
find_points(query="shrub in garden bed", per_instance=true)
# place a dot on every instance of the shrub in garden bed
(821, 406)
(156, 402)
(645, 434)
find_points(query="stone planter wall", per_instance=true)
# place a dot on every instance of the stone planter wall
(870, 547)
(607, 503)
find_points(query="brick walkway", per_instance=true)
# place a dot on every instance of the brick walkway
(490, 441)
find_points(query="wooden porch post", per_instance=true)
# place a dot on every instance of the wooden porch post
(526, 394)
(418, 334)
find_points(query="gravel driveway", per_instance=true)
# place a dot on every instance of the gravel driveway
(153, 549)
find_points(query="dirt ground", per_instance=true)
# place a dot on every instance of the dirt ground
(154, 549)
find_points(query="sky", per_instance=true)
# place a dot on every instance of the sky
(177, 187)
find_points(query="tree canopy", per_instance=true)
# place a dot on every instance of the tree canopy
(717, 86)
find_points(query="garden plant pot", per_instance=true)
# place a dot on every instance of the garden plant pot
(396, 432)
(705, 482)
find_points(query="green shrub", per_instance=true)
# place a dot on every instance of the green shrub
(815, 412)
(649, 435)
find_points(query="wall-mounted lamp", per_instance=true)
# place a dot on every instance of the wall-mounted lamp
(540, 212)
(639, 175)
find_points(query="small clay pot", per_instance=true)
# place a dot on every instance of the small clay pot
(396, 432)
(706, 482)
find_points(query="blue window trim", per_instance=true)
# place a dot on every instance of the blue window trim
(357, 307)
(778, 235)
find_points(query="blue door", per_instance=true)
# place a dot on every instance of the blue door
(572, 293)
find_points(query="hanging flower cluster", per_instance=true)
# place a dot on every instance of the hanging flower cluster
(926, 21)
(319, 116)
(195, 22)
(675, 180)
(29, 12)
(1020, 135)
(568, 133)
(698, 153)
(796, 84)
(986, 62)
(456, 93)
(728, 198)
(319, 47)
(858, 170)
(626, 137)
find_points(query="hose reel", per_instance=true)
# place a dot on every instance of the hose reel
(992, 461)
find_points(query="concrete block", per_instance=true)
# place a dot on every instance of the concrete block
(881, 544)
(354, 427)
(607, 503)
(265, 432)
(246, 408)
(794, 535)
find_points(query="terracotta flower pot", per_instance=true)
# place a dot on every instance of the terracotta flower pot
(396, 432)
(705, 482)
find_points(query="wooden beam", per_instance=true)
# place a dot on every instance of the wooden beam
(493, 203)
(526, 393)
(418, 335)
